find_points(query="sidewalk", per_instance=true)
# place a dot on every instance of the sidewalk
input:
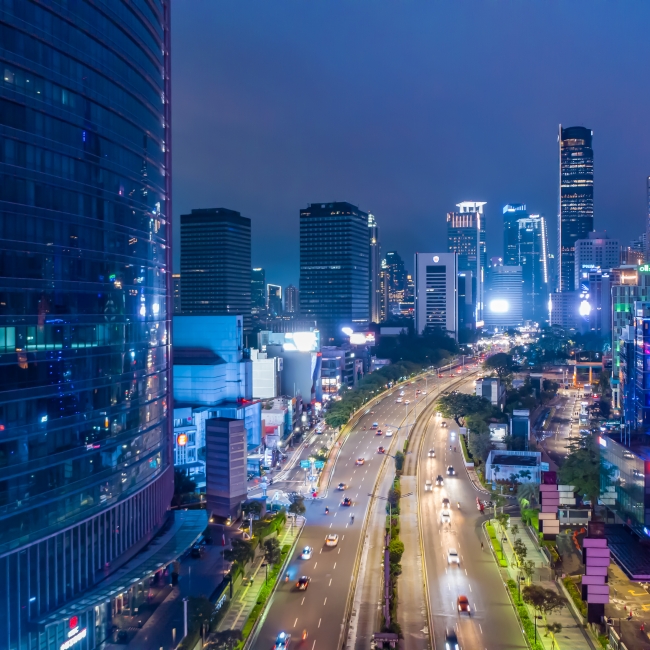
(573, 636)
(245, 597)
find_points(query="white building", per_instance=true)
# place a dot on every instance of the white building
(266, 375)
(598, 251)
(436, 292)
(501, 465)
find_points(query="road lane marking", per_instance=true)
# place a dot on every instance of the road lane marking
(331, 524)
(339, 551)
(315, 565)
(330, 584)
(335, 565)
(321, 550)
(303, 602)
(325, 602)
(319, 620)
(470, 587)
(480, 628)
(314, 643)
(295, 623)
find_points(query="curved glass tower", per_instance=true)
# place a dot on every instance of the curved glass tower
(85, 465)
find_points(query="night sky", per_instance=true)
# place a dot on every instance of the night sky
(405, 109)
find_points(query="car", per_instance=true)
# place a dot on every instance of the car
(439, 480)
(452, 556)
(402, 393)
(407, 401)
(443, 424)
(432, 453)
(378, 432)
(389, 433)
(303, 583)
(282, 641)
(381, 450)
(359, 461)
(399, 400)
(342, 486)
(197, 551)
(451, 641)
(463, 604)
(445, 503)
(428, 485)
(445, 517)
(418, 391)
(424, 392)
(451, 471)
(375, 425)
(306, 553)
(347, 502)
(332, 540)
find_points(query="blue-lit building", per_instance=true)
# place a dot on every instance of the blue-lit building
(86, 474)
(511, 215)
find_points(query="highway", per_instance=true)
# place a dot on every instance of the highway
(320, 609)
(493, 623)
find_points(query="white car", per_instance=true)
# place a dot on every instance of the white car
(445, 517)
(398, 400)
(424, 392)
(432, 453)
(452, 556)
(402, 393)
(388, 433)
(407, 401)
(306, 553)
(332, 540)
(428, 485)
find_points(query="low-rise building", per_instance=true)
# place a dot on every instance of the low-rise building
(492, 389)
(524, 465)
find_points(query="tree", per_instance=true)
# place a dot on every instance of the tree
(535, 596)
(226, 640)
(479, 445)
(395, 550)
(525, 474)
(241, 551)
(584, 468)
(501, 363)
(399, 460)
(252, 507)
(553, 629)
(528, 567)
(297, 506)
(200, 610)
(514, 529)
(527, 492)
(552, 602)
(503, 518)
(272, 552)
(520, 550)
(336, 418)
(183, 484)
(459, 405)
(394, 495)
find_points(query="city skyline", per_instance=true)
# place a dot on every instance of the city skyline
(501, 149)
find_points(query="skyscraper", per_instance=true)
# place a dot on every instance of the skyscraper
(466, 238)
(216, 263)
(85, 309)
(396, 285)
(274, 300)
(334, 267)
(532, 256)
(258, 290)
(436, 293)
(291, 300)
(596, 251)
(375, 270)
(511, 215)
(503, 302)
(576, 198)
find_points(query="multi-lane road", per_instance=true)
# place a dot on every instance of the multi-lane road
(492, 622)
(320, 610)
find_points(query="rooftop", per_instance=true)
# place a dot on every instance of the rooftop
(520, 461)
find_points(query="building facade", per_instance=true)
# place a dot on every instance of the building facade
(176, 278)
(375, 270)
(597, 251)
(511, 215)
(85, 308)
(436, 292)
(466, 238)
(334, 267)
(216, 263)
(504, 297)
(274, 300)
(258, 290)
(291, 300)
(576, 198)
(395, 289)
(533, 259)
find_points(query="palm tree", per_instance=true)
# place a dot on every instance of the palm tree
(528, 492)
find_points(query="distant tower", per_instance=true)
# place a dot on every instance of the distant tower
(576, 198)
(274, 300)
(258, 290)
(375, 271)
(511, 215)
(291, 298)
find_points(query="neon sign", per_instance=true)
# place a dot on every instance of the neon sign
(74, 636)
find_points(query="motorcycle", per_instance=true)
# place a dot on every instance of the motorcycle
(327, 511)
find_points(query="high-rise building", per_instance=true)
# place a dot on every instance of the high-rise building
(216, 263)
(647, 229)
(596, 251)
(375, 270)
(384, 281)
(396, 284)
(85, 308)
(532, 256)
(466, 238)
(258, 290)
(176, 278)
(274, 300)
(576, 198)
(504, 297)
(511, 215)
(334, 267)
(291, 300)
(436, 292)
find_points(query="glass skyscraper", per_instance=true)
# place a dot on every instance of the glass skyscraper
(576, 198)
(533, 259)
(511, 215)
(86, 471)
(334, 267)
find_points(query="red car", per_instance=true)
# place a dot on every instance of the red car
(381, 450)
(463, 605)
(378, 432)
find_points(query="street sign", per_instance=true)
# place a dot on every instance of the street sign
(305, 464)
(319, 464)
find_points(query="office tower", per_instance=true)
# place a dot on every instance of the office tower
(396, 282)
(466, 238)
(511, 215)
(436, 293)
(216, 263)
(85, 308)
(274, 300)
(596, 301)
(384, 282)
(504, 297)
(466, 300)
(532, 256)
(176, 279)
(596, 251)
(634, 252)
(647, 229)
(576, 198)
(258, 290)
(291, 300)
(375, 270)
(407, 306)
(334, 267)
